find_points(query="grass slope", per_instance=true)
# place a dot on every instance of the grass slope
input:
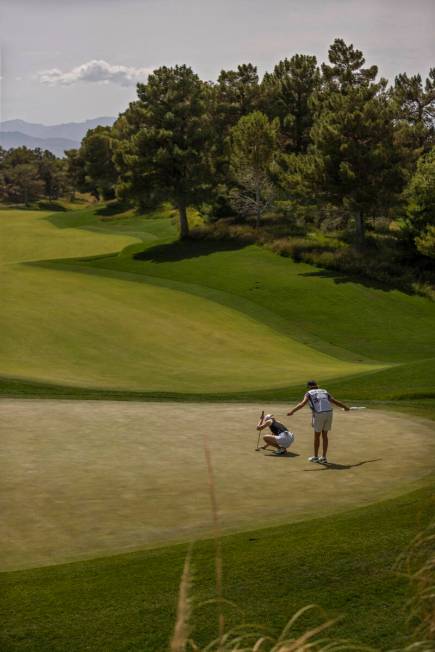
(102, 330)
(317, 307)
(345, 564)
(329, 312)
(31, 235)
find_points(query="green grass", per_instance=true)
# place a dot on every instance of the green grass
(101, 330)
(345, 564)
(213, 297)
(330, 313)
(98, 322)
(319, 308)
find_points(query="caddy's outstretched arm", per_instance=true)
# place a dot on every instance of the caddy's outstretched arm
(299, 406)
(339, 403)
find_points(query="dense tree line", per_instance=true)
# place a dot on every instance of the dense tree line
(304, 140)
(27, 175)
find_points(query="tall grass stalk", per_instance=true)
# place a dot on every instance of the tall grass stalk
(180, 637)
(418, 565)
(217, 537)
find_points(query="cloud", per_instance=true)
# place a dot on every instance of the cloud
(96, 71)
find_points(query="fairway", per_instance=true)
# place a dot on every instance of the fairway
(33, 235)
(106, 332)
(100, 330)
(85, 479)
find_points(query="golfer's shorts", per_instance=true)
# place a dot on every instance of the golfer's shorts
(322, 421)
(285, 439)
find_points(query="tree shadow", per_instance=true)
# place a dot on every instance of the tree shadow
(340, 467)
(183, 249)
(340, 277)
(112, 208)
(51, 206)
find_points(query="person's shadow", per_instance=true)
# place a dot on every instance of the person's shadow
(287, 456)
(340, 467)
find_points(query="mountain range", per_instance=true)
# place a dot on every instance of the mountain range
(56, 138)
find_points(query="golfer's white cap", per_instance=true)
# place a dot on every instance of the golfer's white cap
(268, 416)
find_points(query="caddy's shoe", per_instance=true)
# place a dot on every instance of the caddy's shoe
(314, 458)
(282, 451)
(323, 460)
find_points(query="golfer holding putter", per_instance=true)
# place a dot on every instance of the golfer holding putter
(320, 402)
(281, 438)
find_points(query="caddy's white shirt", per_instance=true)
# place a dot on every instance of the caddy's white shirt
(319, 400)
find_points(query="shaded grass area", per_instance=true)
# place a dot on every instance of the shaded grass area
(344, 563)
(361, 391)
(321, 310)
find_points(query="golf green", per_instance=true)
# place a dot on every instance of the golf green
(87, 479)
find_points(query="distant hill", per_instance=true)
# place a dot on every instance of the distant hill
(57, 146)
(56, 138)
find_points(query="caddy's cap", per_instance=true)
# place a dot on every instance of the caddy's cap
(268, 416)
(311, 383)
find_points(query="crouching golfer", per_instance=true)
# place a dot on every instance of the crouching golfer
(281, 438)
(320, 402)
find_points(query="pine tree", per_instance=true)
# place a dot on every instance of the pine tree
(287, 95)
(415, 114)
(358, 165)
(168, 156)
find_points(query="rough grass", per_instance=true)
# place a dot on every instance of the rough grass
(344, 563)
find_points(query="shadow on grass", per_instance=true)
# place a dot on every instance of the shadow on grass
(340, 278)
(52, 206)
(183, 249)
(113, 208)
(341, 467)
(285, 457)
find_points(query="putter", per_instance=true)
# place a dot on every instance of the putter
(259, 432)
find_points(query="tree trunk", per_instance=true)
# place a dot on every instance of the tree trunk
(184, 224)
(360, 230)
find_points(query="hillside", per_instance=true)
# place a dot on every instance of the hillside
(141, 320)
(56, 138)
(57, 146)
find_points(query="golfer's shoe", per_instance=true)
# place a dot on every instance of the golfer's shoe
(314, 458)
(281, 451)
(322, 460)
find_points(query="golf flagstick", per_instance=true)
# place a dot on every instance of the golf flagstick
(259, 432)
(357, 407)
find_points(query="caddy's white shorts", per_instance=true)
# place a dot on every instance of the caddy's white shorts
(285, 439)
(322, 421)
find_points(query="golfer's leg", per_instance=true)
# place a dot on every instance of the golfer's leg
(316, 443)
(270, 441)
(325, 442)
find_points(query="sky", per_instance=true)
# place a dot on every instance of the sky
(68, 61)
